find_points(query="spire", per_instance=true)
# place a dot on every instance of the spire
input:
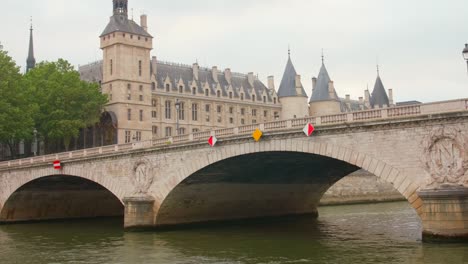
(30, 61)
(121, 8)
(379, 97)
(321, 91)
(289, 84)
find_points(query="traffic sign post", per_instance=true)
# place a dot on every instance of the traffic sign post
(257, 135)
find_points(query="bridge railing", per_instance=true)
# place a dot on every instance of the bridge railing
(275, 126)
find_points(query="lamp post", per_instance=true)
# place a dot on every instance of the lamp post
(177, 105)
(35, 140)
(465, 53)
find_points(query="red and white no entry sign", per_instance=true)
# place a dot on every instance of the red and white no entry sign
(212, 141)
(309, 129)
(57, 165)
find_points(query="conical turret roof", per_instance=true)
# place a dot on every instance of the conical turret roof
(288, 83)
(379, 96)
(321, 92)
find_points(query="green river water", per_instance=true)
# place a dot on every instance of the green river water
(375, 233)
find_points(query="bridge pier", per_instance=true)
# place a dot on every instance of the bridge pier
(139, 213)
(445, 214)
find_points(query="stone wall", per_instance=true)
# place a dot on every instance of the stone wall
(360, 187)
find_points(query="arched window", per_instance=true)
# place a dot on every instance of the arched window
(181, 89)
(168, 87)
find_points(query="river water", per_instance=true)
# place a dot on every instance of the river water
(375, 233)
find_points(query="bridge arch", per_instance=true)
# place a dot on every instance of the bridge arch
(308, 148)
(20, 187)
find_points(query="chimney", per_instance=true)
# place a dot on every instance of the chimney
(214, 72)
(251, 78)
(228, 75)
(367, 98)
(361, 100)
(195, 69)
(348, 98)
(331, 90)
(271, 82)
(390, 97)
(144, 22)
(154, 65)
(314, 83)
(298, 85)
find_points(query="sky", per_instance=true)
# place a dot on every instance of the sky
(417, 44)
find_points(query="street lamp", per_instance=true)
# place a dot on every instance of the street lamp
(465, 53)
(35, 139)
(177, 105)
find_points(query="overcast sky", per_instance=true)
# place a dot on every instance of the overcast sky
(417, 43)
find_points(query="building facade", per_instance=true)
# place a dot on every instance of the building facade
(149, 98)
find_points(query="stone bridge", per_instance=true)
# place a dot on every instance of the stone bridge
(421, 150)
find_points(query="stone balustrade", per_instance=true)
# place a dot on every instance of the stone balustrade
(276, 126)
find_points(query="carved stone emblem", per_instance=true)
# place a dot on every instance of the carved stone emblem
(445, 156)
(142, 176)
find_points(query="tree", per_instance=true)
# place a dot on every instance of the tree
(65, 103)
(16, 123)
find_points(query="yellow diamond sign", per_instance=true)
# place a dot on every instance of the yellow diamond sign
(257, 135)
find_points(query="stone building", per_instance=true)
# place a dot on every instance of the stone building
(149, 98)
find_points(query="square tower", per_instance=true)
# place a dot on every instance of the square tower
(126, 79)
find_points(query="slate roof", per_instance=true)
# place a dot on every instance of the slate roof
(288, 83)
(120, 23)
(379, 96)
(320, 92)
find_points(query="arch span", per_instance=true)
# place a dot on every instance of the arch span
(60, 197)
(276, 177)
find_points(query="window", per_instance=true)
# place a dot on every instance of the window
(153, 86)
(230, 95)
(274, 100)
(231, 120)
(276, 115)
(254, 121)
(264, 99)
(181, 89)
(141, 88)
(128, 136)
(182, 111)
(254, 112)
(110, 87)
(141, 98)
(111, 67)
(195, 130)
(168, 87)
(220, 119)
(139, 37)
(207, 108)
(265, 113)
(129, 96)
(207, 92)
(129, 114)
(231, 110)
(194, 91)
(155, 130)
(141, 115)
(168, 109)
(138, 136)
(242, 121)
(154, 114)
(218, 94)
(129, 91)
(168, 131)
(181, 131)
(253, 98)
(194, 112)
(242, 111)
(131, 36)
(219, 109)
(242, 96)
(154, 103)
(139, 66)
(208, 118)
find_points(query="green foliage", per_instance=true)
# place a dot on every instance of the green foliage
(64, 104)
(16, 122)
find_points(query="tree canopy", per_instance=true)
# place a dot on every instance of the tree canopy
(65, 104)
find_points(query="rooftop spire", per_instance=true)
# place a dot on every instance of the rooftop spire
(323, 57)
(30, 61)
(289, 51)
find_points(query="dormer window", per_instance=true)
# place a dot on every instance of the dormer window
(194, 91)
(207, 92)
(168, 87)
(264, 99)
(274, 100)
(218, 94)
(242, 97)
(181, 89)
(230, 95)
(253, 98)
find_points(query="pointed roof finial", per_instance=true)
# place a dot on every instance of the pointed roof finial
(289, 50)
(323, 57)
(31, 23)
(378, 66)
